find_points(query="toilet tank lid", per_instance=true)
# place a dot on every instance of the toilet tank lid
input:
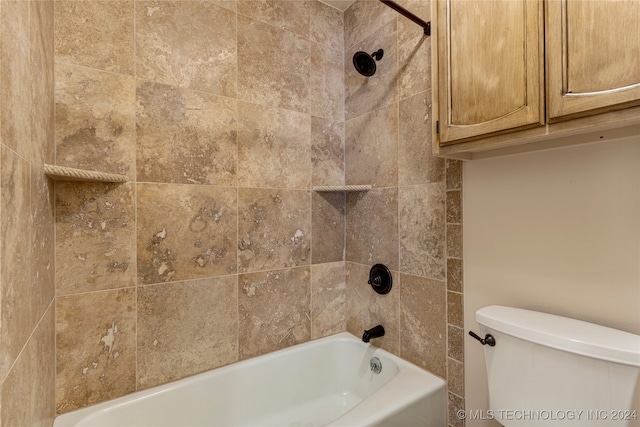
(563, 333)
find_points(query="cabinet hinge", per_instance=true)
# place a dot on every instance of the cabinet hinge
(437, 126)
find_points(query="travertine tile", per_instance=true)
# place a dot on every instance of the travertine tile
(328, 225)
(454, 274)
(188, 44)
(455, 343)
(26, 226)
(455, 377)
(416, 163)
(292, 16)
(95, 237)
(407, 29)
(422, 230)
(28, 392)
(17, 412)
(96, 34)
(42, 87)
(455, 404)
(364, 18)
(15, 79)
(454, 241)
(274, 310)
(273, 66)
(42, 242)
(454, 207)
(423, 323)
(372, 227)
(327, 82)
(455, 309)
(414, 58)
(43, 355)
(95, 347)
(185, 136)
(274, 229)
(281, 68)
(26, 50)
(371, 153)
(327, 152)
(365, 94)
(18, 293)
(366, 308)
(274, 147)
(185, 232)
(227, 4)
(95, 120)
(326, 26)
(453, 174)
(328, 299)
(185, 328)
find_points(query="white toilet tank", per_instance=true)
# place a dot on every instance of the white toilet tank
(548, 370)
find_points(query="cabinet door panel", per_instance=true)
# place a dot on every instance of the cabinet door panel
(489, 66)
(593, 55)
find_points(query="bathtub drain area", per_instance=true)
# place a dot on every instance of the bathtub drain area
(376, 365)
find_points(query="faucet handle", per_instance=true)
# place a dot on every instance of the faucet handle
(375, 281)
(380, 279)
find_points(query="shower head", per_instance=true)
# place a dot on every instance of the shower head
(366, 64)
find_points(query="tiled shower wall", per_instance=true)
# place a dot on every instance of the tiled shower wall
(27, 349)
(412, 219)
(223, 115)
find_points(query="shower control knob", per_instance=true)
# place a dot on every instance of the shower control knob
(487, 340)
(380, 279)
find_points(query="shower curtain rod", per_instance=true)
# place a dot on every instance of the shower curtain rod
(404, 12)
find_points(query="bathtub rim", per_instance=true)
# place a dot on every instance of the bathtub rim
(369, 410)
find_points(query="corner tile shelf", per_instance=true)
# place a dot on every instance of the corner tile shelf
(336, 188)
(63, 173)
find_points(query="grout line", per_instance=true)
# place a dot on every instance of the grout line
(455, 394)
(97, 291)
(229, 187)
(397, 188)
(237, 295)
(134, 250)
(237, 188)
(311, 316)
(54, 190)
(51, 305)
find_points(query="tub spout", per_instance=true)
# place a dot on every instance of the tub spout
(375, 332)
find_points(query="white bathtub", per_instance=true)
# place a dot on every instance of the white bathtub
(326, 382)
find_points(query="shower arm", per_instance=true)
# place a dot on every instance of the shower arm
(404, 12)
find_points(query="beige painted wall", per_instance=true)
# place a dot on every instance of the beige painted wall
(555, 231)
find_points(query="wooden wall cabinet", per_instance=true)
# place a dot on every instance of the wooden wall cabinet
(593, 60)
(520, 75)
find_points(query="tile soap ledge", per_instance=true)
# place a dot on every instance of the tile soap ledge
(63, 173)
(335, 188)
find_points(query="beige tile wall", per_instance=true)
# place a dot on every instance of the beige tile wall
(27, 350)
(411, 220)
(222, 114)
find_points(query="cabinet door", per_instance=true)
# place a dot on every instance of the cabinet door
(490, 67)
(593, 56)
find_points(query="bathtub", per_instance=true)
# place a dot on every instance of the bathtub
(325, 382)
